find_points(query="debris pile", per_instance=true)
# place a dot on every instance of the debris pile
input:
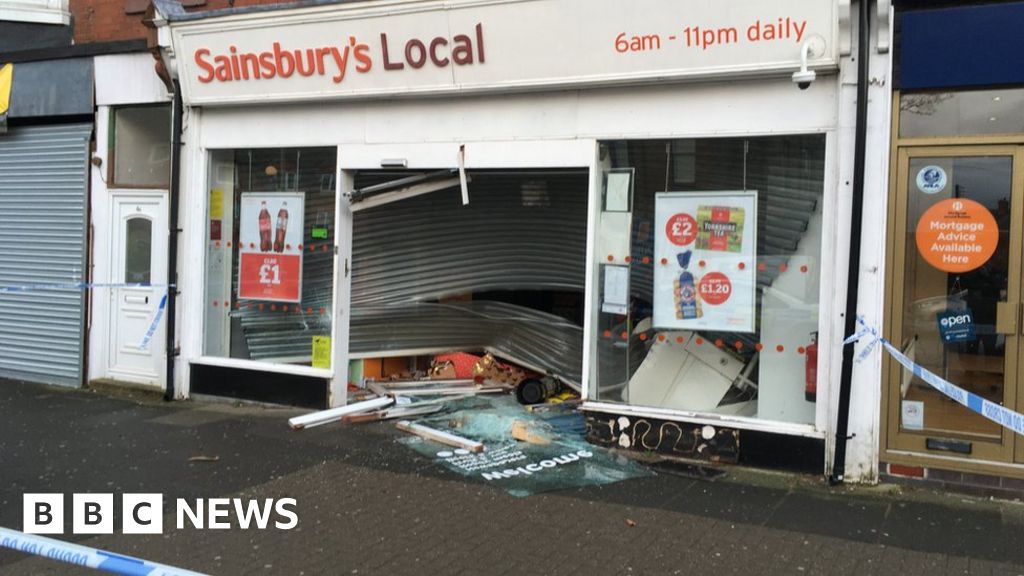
(503, 424)
(449, 377)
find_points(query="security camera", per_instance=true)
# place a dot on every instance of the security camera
(803, 77)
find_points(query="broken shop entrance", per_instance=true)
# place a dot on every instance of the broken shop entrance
(468, 281)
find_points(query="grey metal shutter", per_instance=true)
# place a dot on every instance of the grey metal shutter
(43, 194)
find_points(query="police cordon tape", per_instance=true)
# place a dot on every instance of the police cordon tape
(77, 286)
(1000, 415)
(91, 285)
(86, 556)
(152, 325)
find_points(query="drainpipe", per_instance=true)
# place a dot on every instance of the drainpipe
(172, 240)
(853, 282)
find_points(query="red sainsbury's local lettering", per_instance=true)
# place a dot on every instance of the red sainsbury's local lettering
(336, 61)
(279, 63)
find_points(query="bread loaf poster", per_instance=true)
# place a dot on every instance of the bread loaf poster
(705, 261)
(270, 243)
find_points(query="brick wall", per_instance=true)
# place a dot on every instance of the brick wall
(952, 481)
(111, 20)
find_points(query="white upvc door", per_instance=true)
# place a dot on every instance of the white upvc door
(138, 255)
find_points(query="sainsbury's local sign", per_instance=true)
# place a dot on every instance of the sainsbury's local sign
(403, 47)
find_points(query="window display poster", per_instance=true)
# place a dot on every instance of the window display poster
(616, 290)
(705, 261)
(270, 246)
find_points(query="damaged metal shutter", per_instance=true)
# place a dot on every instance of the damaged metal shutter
(522, 231)
(519, 232)
(43, 194)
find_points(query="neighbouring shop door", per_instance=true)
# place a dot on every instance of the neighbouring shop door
(955, 304)
(138, 256)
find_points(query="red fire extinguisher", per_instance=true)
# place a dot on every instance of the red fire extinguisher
(811, 370)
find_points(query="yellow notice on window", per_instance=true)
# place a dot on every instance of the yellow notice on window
(6, 76)
(321, 351)
(217, 204)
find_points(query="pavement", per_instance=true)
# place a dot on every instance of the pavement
(369, 505)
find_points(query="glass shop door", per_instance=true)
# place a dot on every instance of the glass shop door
(955, 303)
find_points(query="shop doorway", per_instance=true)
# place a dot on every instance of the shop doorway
(503, 273)
(955, 300)
(138, 256)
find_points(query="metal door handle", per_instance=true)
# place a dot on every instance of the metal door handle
(136, 299)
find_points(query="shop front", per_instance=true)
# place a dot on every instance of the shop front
(45, 133)
(955, 253)
(638, 204)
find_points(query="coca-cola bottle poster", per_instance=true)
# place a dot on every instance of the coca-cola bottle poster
(705, 260)
(270, 245)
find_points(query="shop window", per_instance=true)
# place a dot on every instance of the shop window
(270, 255)
(709, 257)
(141, 147)
(930, 114)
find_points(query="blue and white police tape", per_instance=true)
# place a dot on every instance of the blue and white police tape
(994, 412)
(152, 325)
(157, 316)
(77, 286)
(86, 556)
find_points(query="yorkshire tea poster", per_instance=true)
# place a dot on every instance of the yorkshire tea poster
(705, 262)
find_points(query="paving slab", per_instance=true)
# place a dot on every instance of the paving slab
(368, 505)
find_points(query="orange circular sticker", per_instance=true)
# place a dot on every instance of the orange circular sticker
(957, 235)
(681, 229)
(715, 288)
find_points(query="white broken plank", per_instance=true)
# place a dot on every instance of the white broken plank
(377, 388)
(334, 414)
(423, 383)
(399, 412)
(440, 436)
(461, 390)
(392, 413)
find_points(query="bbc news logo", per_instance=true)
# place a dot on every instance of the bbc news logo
(144, 513)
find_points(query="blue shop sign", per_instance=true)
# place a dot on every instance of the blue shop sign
(957, 326)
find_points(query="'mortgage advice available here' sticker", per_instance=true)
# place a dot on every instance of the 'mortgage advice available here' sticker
(957, 235)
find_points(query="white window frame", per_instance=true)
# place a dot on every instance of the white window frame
(832, 275)
(526, 154)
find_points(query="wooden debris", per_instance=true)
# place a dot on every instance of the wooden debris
(204, 459)
(442, 370)
(440, 436)
(566, 405)
(489, 369)
(521, 431)
(335, 414)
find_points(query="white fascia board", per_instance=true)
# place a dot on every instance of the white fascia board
(35, 12)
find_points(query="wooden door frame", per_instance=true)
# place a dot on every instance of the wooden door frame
(1002, 460)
